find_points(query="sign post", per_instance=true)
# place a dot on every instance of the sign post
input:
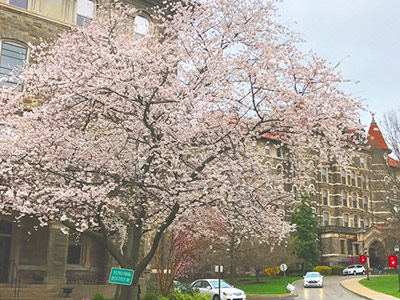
(219, 270)
(121, 276)
(283, 268)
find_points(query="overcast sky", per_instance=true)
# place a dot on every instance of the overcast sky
(365, 34)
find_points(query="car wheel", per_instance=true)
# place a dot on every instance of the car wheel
(354, 273)
(363, 272)
(216, 297)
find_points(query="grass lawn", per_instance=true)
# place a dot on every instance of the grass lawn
(266, 285)
(387, 284)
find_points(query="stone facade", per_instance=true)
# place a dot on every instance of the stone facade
(51, 255)
(350, 202)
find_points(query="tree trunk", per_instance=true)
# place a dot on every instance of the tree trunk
(128, 293)
(258, 275)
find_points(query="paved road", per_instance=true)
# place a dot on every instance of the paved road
(332, 290)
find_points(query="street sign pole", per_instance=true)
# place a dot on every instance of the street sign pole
(219, 270)
(283, 268)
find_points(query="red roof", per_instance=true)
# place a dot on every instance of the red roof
(375, 137)
(393, 163)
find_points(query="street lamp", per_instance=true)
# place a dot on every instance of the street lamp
(397, 250)
(219, 270)
(366, 262)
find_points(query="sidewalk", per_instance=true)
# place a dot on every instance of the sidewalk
(354, 286)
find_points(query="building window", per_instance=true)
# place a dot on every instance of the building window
(268, 191)
(267, 149)
(342, 249)
(324, 197)
(355, 221)
(361, 224)
(295, 193)
(362, 162)
(364, 182)
(355, 200)
(344, 196)
(142, 28)
(365, 203)
(278, 151)
(356, 249)
(13, 58)
(85, 12)
(353, 178)
(268, 169)
(326, 219)
(346, 220)
(349, 247)
(323, 175)
(279, 169)
(366, 223)
(343, 176)
(74, 254)
(20, 3)
(5, 227)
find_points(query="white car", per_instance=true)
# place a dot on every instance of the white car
(354, 270)
(313, 279)
(211, 286)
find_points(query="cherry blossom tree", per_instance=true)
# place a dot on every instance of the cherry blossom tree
(130, 135)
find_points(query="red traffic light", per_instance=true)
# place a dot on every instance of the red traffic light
(363, 259)
(393, 261)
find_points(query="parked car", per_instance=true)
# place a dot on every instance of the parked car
(313, 279)
(354, 270)
(211, 287)
(183, 288)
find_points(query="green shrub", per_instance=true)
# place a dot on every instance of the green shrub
(176, 295)
(337, 270)
(98, 296)
(198, 296)
(323, 270)
(151, 296)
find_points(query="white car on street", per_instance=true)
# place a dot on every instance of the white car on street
(211, 287)
(354, 270)
(313, 279)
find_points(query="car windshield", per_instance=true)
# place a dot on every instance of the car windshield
(308, 275)
(215, 285)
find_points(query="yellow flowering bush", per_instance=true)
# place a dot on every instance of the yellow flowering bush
(323, 270)
(272, 272)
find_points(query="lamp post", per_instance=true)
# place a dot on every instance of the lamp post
(366, 262)
(396, 251)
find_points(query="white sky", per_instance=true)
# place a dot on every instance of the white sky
(365, 34)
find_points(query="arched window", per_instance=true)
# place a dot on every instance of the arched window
(267, 149)
(355, 200)
(268, 191)
(12, 59)
(279, 169)
(343, 173)
(353, 178)
(84, 12)
(324, 197)
(326, 219)
(344, 196)
(268, 169)
(142, 28)
(346, 220)
(365, 202)
(323, 175)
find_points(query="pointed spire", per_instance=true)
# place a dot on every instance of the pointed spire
(375, 137)
(373, 119)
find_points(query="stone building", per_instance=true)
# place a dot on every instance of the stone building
(28, 253)
(350, 201)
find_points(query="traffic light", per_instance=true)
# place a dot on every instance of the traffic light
(363, 259)
(393, 261)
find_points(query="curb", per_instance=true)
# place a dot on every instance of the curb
(352, 291)
(269, 296)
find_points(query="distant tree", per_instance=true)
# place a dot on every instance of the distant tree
(391, 124)
(304, 242)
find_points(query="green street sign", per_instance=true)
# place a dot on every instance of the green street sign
(121, 276)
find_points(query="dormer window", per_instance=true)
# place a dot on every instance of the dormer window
(323, 175)
(85, 12)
